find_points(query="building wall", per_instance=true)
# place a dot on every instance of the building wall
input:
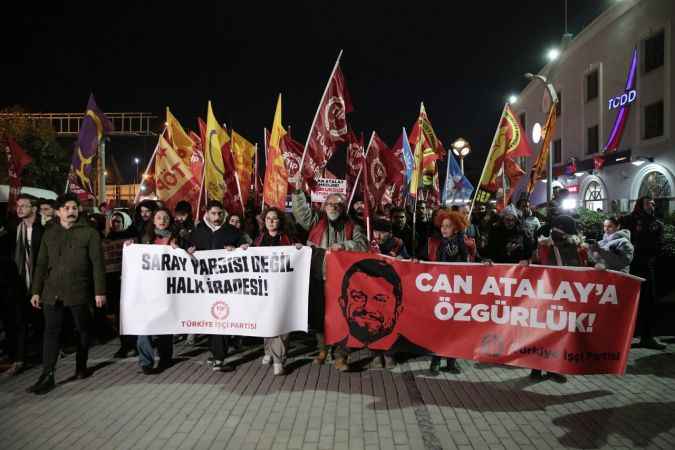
(607, 45)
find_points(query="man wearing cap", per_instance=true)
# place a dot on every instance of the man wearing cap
(387, 243)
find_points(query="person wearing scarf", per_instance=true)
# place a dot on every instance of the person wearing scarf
(273, 235)
(446, 246)
(157, 232)
(27, 236)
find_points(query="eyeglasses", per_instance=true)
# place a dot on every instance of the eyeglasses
(334, 205)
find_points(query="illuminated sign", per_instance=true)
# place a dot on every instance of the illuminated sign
(622, 100)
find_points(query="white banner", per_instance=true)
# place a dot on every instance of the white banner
(327, 186)
(261, 291)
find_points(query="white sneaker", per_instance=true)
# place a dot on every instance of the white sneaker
(279, 369)
(267, 359)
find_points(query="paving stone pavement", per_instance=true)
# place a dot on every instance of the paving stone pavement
(317, 407)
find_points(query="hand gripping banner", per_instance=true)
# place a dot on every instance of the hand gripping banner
(261, 291)
(567, 320)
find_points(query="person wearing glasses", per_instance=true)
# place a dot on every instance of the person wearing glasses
(329, 229)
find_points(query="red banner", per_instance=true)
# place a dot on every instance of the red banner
(566, 320)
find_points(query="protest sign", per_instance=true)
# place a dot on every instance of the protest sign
(567, 320)
(327, 186)
(261, 291)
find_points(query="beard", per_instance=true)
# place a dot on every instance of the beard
(333, 216)
(369, 332)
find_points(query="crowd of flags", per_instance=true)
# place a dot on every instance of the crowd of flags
(216, 163)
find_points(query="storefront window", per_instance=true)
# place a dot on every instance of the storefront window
(594, 197)
(656, 185)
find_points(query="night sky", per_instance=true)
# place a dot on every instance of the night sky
(461, 58)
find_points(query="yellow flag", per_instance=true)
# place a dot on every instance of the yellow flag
(214, 168)
(178, 138)
(243, 152)
(275, 186)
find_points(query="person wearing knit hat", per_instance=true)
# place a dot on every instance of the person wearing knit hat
(386, 242)
(564, 247)
(510, 242)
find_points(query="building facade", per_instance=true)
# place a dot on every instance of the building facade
(614, 137)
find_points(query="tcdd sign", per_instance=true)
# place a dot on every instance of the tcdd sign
(622, 100)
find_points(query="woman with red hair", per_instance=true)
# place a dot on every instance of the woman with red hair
(446, 245)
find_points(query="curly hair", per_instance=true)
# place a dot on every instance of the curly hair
(457, 219)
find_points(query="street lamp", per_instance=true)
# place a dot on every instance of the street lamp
(513, 99)
(553, 54)
(461, 148)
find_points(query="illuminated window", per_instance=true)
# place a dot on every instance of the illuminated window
(594, 196)
(656, 186)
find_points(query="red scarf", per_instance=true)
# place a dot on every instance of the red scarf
(317, 231)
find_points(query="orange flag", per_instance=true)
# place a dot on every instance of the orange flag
(275, 186)
(243, 152)
(539, 167)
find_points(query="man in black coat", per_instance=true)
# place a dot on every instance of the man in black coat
(210, 234)
(646, 233)
(24, 246)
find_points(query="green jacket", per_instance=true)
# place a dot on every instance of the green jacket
(70, 265)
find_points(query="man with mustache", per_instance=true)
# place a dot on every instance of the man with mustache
(69, 271)
(330, 229)
(371, 299)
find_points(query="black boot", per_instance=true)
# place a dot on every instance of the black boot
(45, 384)
(452, 366)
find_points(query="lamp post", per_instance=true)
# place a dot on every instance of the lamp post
(461, 149)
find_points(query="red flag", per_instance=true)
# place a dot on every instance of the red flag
(330, 126)
(395, 184)
(355, 153)
(17, 159)
(376, 172)
(292, 153)
(598, 162)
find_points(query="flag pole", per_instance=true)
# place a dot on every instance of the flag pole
(365, 155)
(201, 189)
(316, 115)
(419, 176)
(492, 146)
(147, 168)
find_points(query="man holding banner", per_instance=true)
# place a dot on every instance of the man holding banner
(213, 234)
(329, 230)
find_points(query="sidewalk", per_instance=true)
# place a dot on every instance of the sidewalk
(190, 406)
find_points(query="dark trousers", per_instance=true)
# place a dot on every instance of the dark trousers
(219, 346)
(15, 315)
(54, 315)
(647, 306)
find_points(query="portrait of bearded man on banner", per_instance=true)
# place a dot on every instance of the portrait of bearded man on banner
(371, 300)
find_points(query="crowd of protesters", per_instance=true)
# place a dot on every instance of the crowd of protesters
(58, 284)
